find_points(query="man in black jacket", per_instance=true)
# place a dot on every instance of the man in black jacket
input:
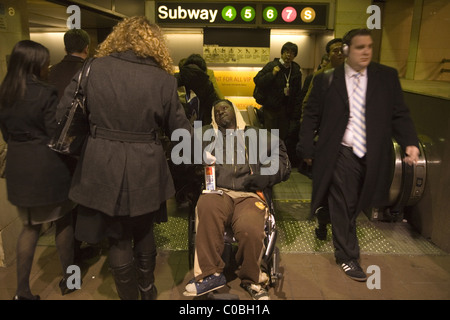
(280, 82)
(76, 43)
(241, 172)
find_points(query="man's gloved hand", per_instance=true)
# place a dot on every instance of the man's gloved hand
(256, 182)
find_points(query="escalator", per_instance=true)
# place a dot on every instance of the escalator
(407, 186)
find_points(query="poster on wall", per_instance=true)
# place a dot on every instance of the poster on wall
(235, 55)
(236, 46)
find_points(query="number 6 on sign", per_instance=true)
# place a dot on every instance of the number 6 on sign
(289, 14)
(270, 14)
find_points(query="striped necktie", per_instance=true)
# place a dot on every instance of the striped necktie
(359, 118)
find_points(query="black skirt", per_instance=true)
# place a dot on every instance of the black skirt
(92, 226)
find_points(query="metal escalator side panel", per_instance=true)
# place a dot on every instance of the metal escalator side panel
(408, 182)
(396, 173)
(419, 178)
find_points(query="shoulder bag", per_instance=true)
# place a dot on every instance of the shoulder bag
(73, 128)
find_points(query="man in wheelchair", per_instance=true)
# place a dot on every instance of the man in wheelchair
(237, 201)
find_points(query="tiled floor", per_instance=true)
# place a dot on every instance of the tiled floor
(407, 266)
(305, 276)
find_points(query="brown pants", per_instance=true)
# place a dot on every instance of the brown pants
(247, 217)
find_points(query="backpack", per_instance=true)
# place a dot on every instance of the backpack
(258, 95)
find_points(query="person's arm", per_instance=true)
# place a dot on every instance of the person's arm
(311, 121)
(49, 111)
(275, 166)
(265, 77)
(403, 128)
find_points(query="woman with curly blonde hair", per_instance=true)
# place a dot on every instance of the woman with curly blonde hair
(142, 37)
(122, 179)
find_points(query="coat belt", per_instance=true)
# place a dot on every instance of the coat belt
(124, 136)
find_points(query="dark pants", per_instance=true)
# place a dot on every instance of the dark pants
(277, 119)
(246, 217)
(343, 198)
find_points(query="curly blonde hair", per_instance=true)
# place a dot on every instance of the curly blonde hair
(142, 37)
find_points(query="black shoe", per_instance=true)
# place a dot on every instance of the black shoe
(86, 253)
(36, 297)
(321, 232)
(353, 270)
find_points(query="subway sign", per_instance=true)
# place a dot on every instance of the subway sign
(171, 13)
(283, 15)
(298, 14)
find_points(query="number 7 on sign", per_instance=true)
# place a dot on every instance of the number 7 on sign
(289, 14)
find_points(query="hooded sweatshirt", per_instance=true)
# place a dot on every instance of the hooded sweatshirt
(232, 167)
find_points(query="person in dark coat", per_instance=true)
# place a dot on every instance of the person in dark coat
(349, 171)
(193, 76)
(76, 44)
(122, 180)
(280, 82)
(37, 179)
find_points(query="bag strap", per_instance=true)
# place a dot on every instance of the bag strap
(85, 69)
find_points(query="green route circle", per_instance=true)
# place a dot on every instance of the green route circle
(270, 14)
(229, 13)
(248, 13)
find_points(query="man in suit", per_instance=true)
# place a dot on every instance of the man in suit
(356, 115)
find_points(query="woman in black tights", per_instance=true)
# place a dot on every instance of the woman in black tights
(37, 179)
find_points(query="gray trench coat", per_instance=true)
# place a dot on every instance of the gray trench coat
(126, 93)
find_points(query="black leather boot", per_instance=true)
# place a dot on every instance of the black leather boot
(145, 266)
(126, 282)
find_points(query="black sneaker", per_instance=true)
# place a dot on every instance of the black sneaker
(353, 270)
(321, 232)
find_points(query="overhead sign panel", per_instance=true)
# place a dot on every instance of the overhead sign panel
(242, 14)
(203, 14)
(295, 14)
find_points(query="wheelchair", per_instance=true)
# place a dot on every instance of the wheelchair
(271, 257)
(189, 184)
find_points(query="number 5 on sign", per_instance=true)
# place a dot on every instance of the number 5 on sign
(248, 14)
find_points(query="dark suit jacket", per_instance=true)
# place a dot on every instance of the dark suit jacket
(129, 94)
(328, 111)
(62, 72)
(35, 175)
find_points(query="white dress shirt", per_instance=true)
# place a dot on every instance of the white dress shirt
(347, 140)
